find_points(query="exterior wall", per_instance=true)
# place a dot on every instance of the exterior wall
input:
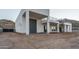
(40, 27)
(75, 29)
(69, 29)
(19, 23)
(23, 25)
(51, 28)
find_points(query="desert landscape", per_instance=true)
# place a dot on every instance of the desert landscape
(13, 40)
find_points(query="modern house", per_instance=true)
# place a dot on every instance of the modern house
(30, 21)
(75, 24)
(65, 26)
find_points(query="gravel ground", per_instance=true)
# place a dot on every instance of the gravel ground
(9, 40)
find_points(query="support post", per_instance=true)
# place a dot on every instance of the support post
(71, 27)
(58, 27)
(48, 26)
(65, 28)
(27, 22)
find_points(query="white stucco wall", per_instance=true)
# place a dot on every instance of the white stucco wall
(69, 27)
(23, 25)
(40, 27)
(19, 23)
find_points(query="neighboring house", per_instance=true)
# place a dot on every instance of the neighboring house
(75, 24)
(65, 26)
(30, 21)
(7, 25)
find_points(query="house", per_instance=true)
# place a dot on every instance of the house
(65, 26)
(75, 24)
(7, 25)
(30, 21)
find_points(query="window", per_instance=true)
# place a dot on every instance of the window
(53, 28)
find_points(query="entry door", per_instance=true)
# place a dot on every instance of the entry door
(33, 26)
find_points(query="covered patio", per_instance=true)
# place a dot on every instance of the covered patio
(53, 25)
(30, 21)
(65, 27)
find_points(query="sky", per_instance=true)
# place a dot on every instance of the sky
(11, 14)
(65, 13)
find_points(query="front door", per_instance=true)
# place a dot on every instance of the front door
(33, 26)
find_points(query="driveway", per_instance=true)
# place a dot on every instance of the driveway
(10, 40)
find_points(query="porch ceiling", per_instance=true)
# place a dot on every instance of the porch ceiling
(36, 15)
(53, 23)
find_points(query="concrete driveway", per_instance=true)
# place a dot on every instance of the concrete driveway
(10, 40)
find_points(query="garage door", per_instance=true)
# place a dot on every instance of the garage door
(33, 26)
(8, 30)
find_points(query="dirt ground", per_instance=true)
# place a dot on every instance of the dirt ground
(9, 40)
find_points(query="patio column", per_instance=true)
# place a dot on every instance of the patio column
(27, 22)
(65, 28)
(48, 25)
(58, 27)
(71, 27)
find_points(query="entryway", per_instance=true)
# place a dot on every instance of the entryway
(61, 28)
(33, 26)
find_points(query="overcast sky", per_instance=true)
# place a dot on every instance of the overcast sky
(65, 13)
(11, 14)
